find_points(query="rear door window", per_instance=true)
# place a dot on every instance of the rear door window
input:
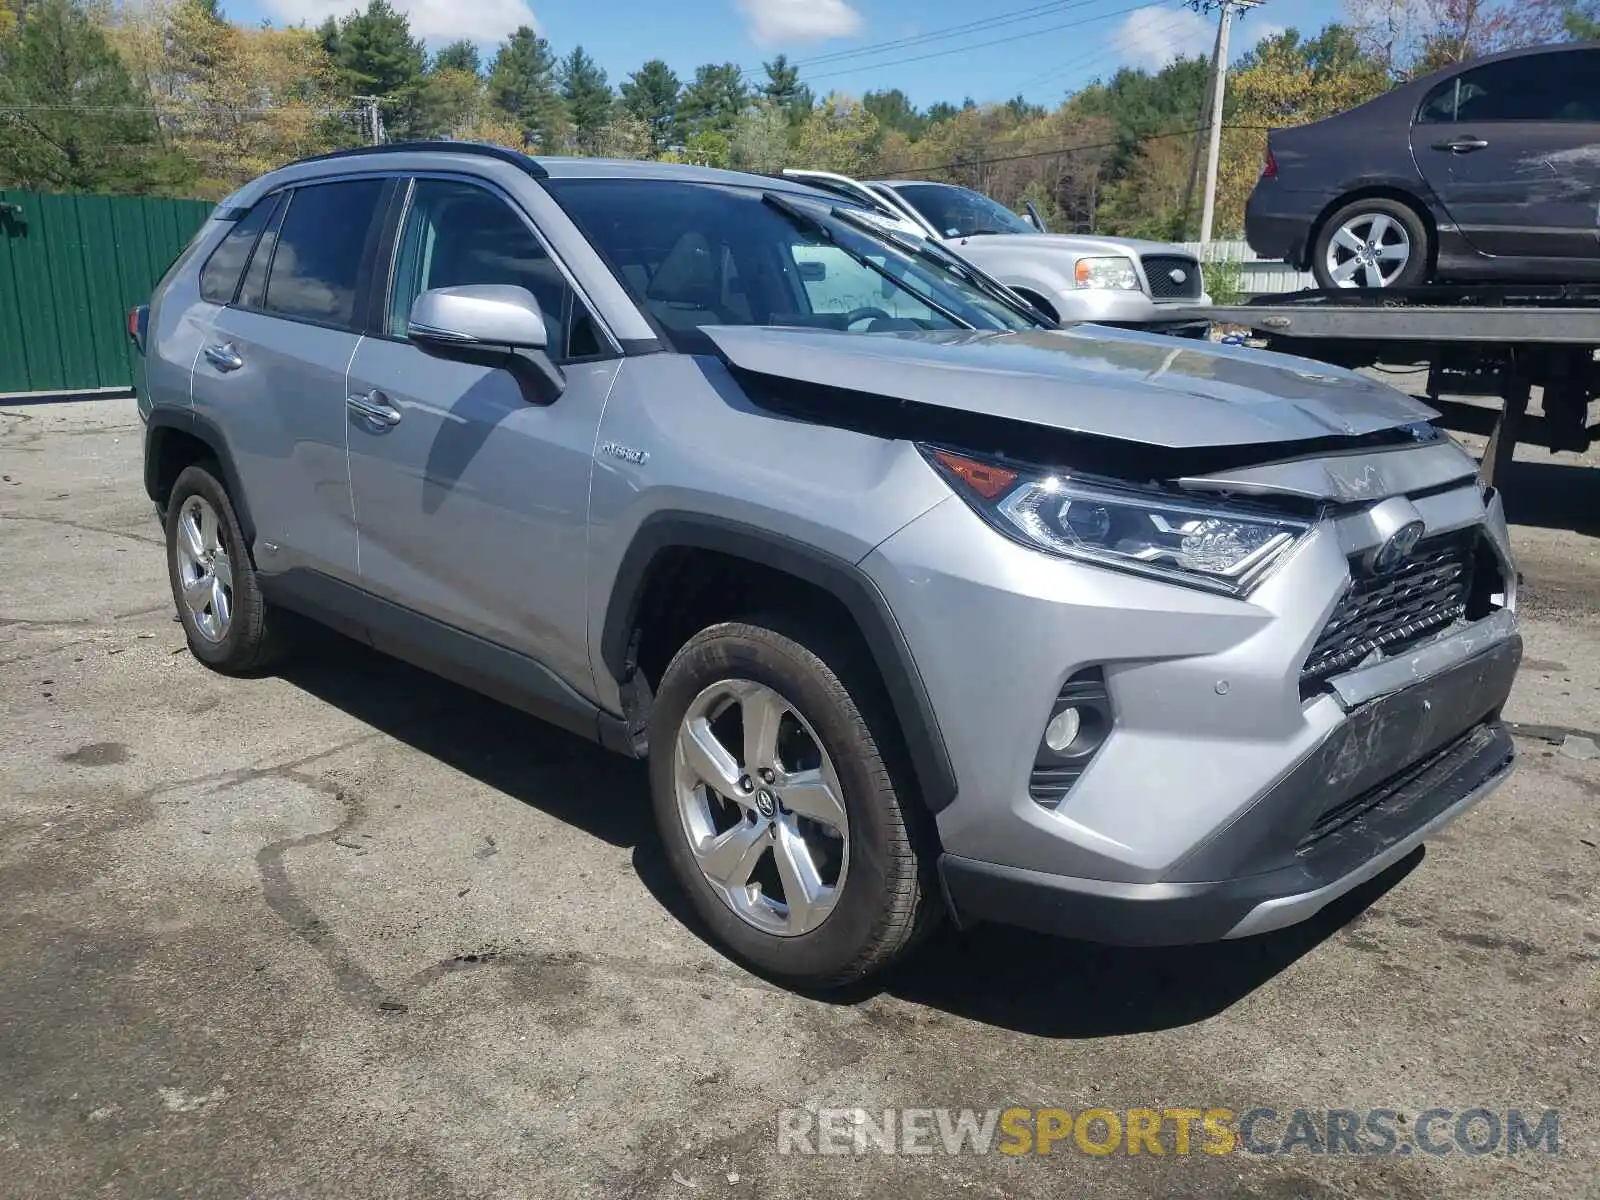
(323, 239)
(1557, 87)
(219, 280)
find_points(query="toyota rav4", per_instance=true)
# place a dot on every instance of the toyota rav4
(914, 605)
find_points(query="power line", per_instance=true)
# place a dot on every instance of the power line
(1068, 149)
(1120, 40)
(1016, 37)
(949, 31)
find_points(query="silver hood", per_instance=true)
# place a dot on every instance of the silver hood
(1137, 387)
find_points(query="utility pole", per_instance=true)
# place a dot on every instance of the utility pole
(1226, 9)
(370, 116)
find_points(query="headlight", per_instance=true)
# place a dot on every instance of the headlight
(1224, 548)
(1116, 273)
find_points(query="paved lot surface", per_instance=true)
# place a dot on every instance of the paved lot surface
(349, 931)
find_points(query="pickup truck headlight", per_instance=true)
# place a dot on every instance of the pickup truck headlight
(1227, 548)
(1114, 273)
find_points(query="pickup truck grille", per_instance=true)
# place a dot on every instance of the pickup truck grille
(1163, 271)
(1388, 612)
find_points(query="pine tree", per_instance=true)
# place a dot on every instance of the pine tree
(715, 99)
(522, 84)
(587, 93)
(784, 89)
(458, 56)
(650, 94)
(374, 54)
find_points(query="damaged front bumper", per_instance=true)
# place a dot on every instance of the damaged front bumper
(1339, 818)
(1236, 791)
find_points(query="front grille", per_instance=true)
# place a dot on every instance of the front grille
(1163, 271)
(1388, 612)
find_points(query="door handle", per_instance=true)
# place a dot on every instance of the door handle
(375, 407)
(224, 357)
(1464, 145)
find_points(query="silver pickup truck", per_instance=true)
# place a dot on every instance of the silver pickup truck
(1068, 277)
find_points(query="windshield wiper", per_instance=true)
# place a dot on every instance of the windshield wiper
(930, 251)
(812, 223)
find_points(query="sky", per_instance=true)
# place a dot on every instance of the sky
(1042, 49)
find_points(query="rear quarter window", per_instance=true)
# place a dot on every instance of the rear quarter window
(219, 278)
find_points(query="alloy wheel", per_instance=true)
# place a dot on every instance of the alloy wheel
(1369, 250)
(762, 807)
(205, 572)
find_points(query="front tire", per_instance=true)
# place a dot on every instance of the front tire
(1372, 243)
(776, 809)
(228, 622)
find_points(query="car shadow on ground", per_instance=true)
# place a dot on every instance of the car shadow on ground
(1009, 978)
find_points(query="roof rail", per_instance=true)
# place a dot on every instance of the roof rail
(515, 158)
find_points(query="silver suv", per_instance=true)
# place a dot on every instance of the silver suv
(913, 605)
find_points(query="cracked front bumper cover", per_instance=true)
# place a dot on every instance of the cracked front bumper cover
(1398, 770)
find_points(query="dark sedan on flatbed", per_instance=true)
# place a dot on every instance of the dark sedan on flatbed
(1488, 170)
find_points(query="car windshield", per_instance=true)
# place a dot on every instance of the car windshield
(700, 254)
(961, 212)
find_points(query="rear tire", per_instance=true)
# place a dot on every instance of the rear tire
(876, 887)
(1373, 243)
(228, 622)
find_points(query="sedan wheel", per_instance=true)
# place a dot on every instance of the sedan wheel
(1377, 242)
(1371, 250)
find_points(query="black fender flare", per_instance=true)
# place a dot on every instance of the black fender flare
(202, 429)
(839, 577)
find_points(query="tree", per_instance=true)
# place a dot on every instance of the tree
(650, 95)
(1582, 21)
(942, 111)
(784, 89)
(522, 85)
(714, 100)
(1412, 37)
(894, 110)
(839, 135)
(75, 121)
(762, 139)
(624, 137)
(458, 56)
(374, 54)
(587, 93)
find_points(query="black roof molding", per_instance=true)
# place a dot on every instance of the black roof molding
(521, 161)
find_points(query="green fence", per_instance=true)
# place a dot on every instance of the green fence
(70, 269)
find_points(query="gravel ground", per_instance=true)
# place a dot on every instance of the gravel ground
(350, 931)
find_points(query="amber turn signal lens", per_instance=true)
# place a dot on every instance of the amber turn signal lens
(988, 480)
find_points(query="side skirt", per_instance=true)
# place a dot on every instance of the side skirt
(485, 667)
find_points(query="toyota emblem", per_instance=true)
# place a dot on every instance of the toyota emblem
(1178, 275)
(1398, 548)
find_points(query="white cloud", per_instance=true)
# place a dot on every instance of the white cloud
(1153, 37)
(435, 20)
(774, 22)
(1247, 35)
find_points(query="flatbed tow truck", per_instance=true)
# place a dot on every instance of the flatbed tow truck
(1488, 340)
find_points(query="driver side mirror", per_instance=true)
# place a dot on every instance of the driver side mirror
(478, 316)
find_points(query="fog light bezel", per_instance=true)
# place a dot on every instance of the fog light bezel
(1056, 772)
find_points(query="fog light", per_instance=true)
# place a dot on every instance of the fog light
(1062, 730)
